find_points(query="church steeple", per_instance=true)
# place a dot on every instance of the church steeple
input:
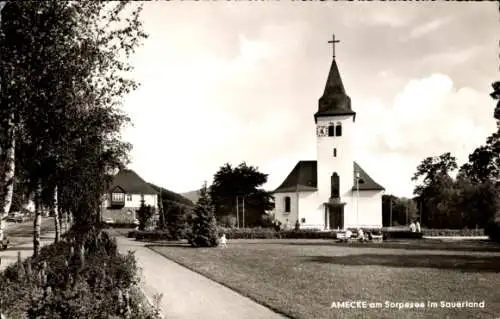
(334, 101)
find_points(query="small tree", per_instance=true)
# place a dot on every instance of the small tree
(176, 221)
(204, 227)
(145, 215)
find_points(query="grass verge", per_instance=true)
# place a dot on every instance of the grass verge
(301, 278)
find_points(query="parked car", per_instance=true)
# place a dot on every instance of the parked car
(15, 217)
(108, 221)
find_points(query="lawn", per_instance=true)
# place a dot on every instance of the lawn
(302, 278)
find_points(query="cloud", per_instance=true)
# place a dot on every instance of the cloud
(451, 56)
(393, 15)
(226, 83)
(429, 117)
(202, 110)
(426, 28)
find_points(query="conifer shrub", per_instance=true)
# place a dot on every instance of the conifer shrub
(176, 223)
(145, 216)
(203, 224)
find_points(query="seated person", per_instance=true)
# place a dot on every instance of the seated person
(361, 234)
(348, 234)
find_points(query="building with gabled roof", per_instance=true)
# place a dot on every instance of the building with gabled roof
(124, 196)
(332, 192)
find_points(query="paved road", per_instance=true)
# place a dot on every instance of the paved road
(187, 294)
(9, 256)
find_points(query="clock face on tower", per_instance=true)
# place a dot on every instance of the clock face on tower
(322, 131)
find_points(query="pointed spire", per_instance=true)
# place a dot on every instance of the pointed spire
(334, 101)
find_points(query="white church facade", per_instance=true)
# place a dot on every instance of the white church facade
(332, 192)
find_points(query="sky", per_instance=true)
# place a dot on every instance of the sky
(227, 82)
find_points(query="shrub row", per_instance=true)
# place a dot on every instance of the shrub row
(401, 234)
(453, 232)
(493, 229)
(64, 281)
(120, 225)
(150, 235)
(270, 233)
(245, 233)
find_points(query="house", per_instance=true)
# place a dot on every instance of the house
(124, 197)
(333, 191)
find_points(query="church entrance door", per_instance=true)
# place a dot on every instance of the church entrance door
(336, 216)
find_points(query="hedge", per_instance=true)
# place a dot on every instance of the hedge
(402, 234)
(119, 225)
(271, 233)
(493, 230)
(149, 235)
(453, 232)
(245, 233)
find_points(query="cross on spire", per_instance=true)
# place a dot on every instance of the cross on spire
(333, 41)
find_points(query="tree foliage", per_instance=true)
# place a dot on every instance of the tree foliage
(64, 76)
(472, 198)
(244, 182)
(404, 210)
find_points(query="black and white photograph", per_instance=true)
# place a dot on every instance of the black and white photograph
(249, 159)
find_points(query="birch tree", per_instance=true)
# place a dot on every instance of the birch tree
(73, 58)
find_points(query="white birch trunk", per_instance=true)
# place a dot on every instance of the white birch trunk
(55, 211)
(65, 220)
(37, 223)
(8, 175)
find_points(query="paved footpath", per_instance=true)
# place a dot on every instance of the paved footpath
(187, 294)
(25, 246)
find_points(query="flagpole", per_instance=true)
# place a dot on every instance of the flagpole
(237, 213)
(243, 211)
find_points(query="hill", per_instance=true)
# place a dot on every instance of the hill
(192, 195)
(168, 195)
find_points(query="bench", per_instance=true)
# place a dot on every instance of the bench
(341, 236)
(377, 238)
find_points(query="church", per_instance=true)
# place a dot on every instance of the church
(332, 192)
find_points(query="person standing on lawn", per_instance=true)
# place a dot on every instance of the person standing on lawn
(412, 227)
(417, 226)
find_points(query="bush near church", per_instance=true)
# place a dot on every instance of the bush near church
(453, 232)
(492, 229)
(58, 283)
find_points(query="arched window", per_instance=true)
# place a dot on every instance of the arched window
(335, 186)
(331, 130)
(288, 203)
(338, 129)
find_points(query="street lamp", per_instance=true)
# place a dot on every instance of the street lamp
(357, 197)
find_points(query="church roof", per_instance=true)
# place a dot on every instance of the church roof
(131, 183)
(366, 183)
(304, 178)
(334, 100)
